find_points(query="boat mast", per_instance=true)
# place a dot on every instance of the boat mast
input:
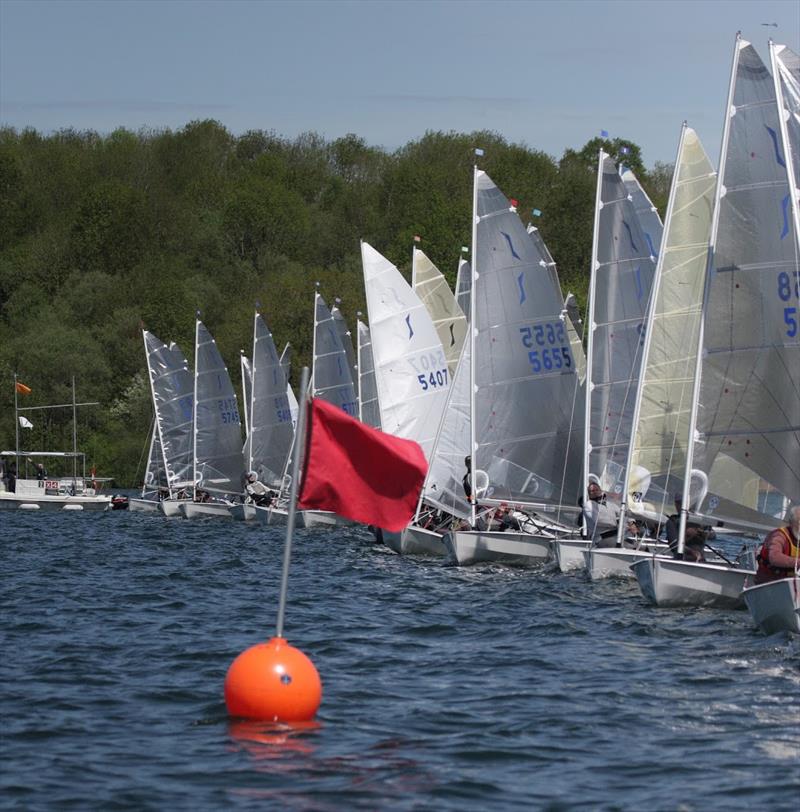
(685, 506)
(75, 439)
(473, 446)
(252, 399)
(16, 423)
(194, 407)
(312, 383)
(587, 436)
(637, 404)
(358, 362)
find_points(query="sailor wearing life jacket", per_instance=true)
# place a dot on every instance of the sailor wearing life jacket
(780, 553)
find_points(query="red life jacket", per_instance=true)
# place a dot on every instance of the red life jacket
(766, 572)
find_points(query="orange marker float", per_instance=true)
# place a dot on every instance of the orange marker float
(274, 682)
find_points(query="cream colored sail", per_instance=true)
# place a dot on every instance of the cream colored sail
(434, 292)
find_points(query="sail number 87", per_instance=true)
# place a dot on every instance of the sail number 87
(546, 345)
(785, 291)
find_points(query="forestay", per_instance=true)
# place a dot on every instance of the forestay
(172, 390)
(434, 292)
(411, 371)
(748, 399)
(622, 274)
(271, 432)
(218, 461)
(331, 378)
(524, 435)
(369, 411)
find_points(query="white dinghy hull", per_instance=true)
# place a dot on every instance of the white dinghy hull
(775, 606)
(414, 540)
(204, 510)
(569, 553)
(171, 507)
(323, 518)
(243, 513)
(271, 515)
(465, 547)
(670, 582)
(613, 562)
(144, 506)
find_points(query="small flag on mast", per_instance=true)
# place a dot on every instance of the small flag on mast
(479, 152)
(464, 249)
(536, 213)
(417, 238)
(604, 133)
(513, 202)
(25, 423)
(22, 389)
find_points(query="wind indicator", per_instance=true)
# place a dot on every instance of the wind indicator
(770, 25)
(273, 681)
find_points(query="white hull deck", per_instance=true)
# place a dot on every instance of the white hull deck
(205, 510)
(775, 606)
(151, 506)
(615, 562)
(465, 547)
(243, 513)
(568, 553)
(323, 518)
(670, 582)
(414, 540)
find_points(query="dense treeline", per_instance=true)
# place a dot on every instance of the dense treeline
(101, 235)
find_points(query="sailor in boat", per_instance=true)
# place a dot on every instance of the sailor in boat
(257, 492)
(601, 516)
(780, 553)
(41, 474)
(696, 534)
(11, 477)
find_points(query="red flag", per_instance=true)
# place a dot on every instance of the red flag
(359, 472)
(513, 202)
(22, 389)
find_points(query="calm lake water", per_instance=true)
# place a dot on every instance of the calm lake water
(444, 688)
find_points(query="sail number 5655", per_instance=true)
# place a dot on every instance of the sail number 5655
(547, 347)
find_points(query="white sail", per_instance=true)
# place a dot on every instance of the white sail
(271, 432)
(345, 336)
(525, 382)
(369, 411)
(247, 388)
(172, 390)
(444, 482)
(663, 405)
(463, 286)
(622, 274)
(574, 325)
(747, 397)
(434, 292)
(286, 366)
(410, 365)
(331, 378)
(786, 74)
(218, 461)
(649, 219)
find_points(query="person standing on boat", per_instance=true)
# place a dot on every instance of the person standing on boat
(696, 535)
(11, 477)
(780, 553)
(41, 474)
(601, 516)
(466, 482)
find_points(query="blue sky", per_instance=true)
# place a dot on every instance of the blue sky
(550, 75)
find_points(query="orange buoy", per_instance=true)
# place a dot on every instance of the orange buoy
(274, 682)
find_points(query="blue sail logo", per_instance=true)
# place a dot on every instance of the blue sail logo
(511, 246)
(410, 328)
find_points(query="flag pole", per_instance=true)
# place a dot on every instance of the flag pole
(16, 422)
(299, 448)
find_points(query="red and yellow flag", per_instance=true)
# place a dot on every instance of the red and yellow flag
(22, 389)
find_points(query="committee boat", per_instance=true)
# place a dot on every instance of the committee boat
(66, 492)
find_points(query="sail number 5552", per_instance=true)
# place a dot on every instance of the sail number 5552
(547, 346)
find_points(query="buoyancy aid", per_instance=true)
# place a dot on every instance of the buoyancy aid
(767, 572)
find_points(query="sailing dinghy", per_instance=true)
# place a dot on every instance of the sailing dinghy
(746, 388)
